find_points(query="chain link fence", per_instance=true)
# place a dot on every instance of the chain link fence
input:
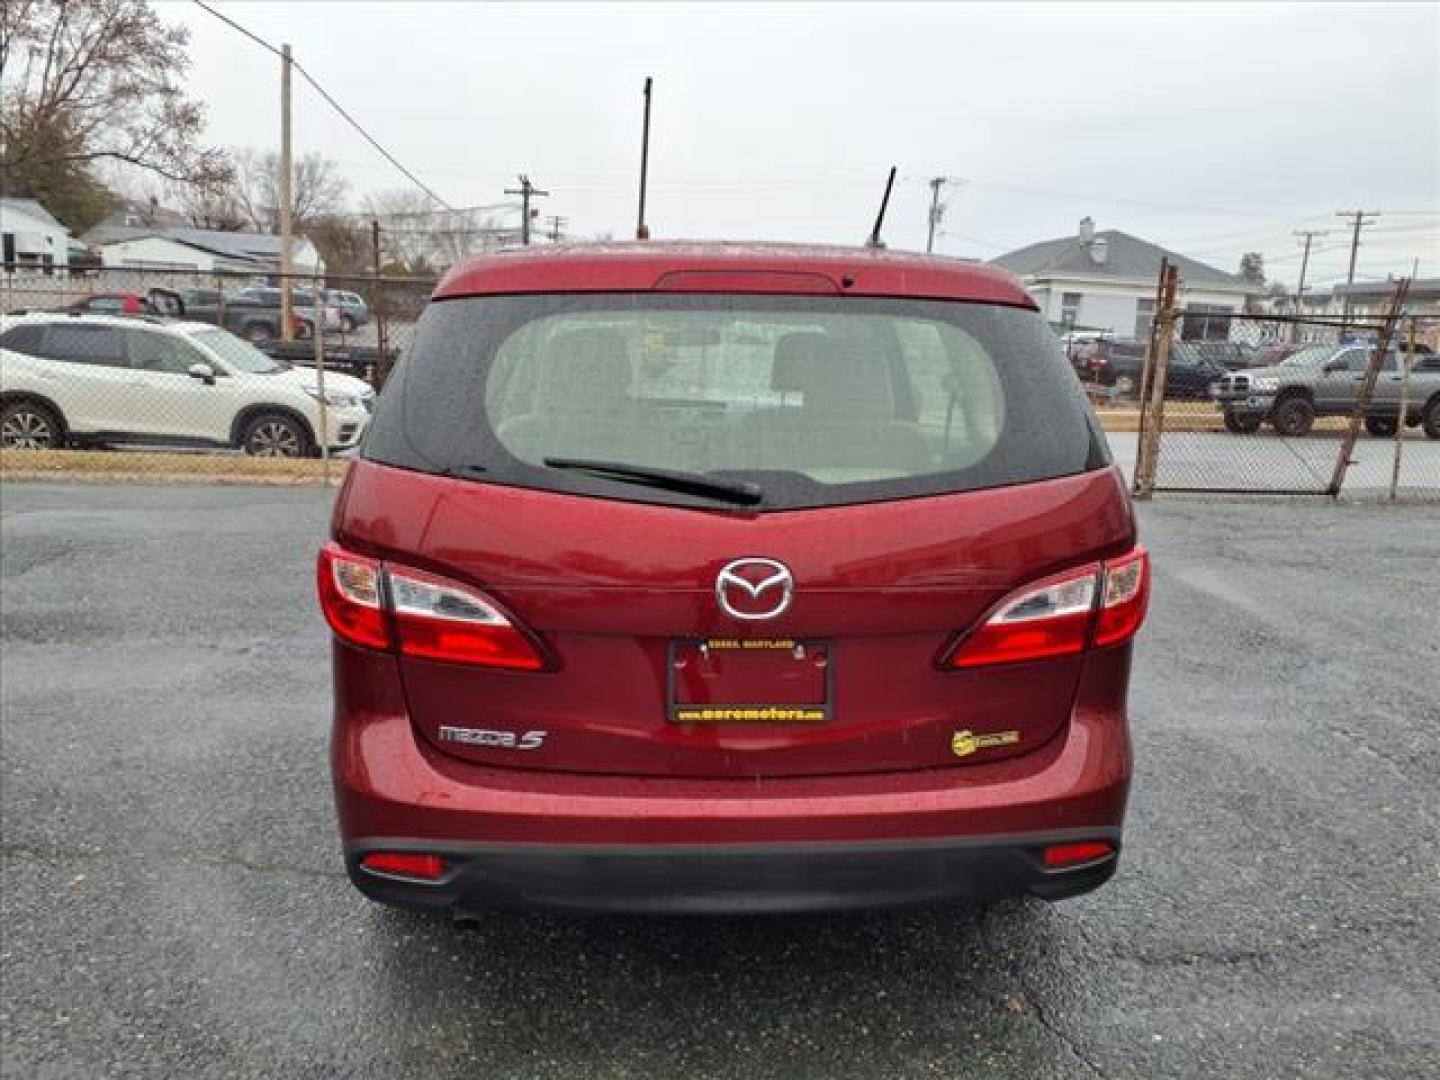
(1266, 405)
(155, 372)
(1250, 404)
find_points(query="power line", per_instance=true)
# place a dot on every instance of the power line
(325, 94)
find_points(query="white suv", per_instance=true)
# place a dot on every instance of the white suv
(72, 380)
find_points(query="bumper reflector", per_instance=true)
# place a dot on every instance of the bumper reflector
(1058, 855)
(405, 864)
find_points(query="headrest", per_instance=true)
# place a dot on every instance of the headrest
(589, 366)
(795, 355)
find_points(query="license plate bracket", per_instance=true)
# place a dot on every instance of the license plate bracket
(749, 681)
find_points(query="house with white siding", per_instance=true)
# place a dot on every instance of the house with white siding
(33, 240)
(1106, 281)
(171, 247)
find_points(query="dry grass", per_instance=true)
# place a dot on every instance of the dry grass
(161, 468)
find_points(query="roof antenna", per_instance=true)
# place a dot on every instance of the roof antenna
(642, 231)
(875, 241)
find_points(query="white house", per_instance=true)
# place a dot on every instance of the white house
(1106, 281)
(33, 240)
(141, 247)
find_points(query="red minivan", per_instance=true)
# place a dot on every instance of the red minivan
(730, 578)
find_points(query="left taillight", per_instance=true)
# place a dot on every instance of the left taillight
(1097, 605)
(352, 597)
(381, 605)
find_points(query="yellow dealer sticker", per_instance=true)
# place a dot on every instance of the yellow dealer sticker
(965, 743)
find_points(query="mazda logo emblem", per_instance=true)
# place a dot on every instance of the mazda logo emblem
(754, 589)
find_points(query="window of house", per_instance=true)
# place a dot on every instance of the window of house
(1205, 322)
(1144, 318)
(1070, 308)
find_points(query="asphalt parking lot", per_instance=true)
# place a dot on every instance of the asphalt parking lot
(173, 903)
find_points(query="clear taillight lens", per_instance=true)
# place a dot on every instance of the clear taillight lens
(1125, 598)
(382, 606)
(439, 619)
(1095, 605)
(351, 597)
(1049, 619)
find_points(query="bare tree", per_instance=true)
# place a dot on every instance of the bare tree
(421, 237)
(89, 81)
(316, 189)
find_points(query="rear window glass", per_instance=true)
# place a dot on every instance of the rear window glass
(815, 401)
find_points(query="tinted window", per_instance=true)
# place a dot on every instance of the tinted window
(817, 401)
(162, 352)
(84, 344)
(24, 339)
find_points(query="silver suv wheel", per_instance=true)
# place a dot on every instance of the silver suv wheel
(28, 427)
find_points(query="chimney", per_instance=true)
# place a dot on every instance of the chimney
(1087, 229)
(1099, 250)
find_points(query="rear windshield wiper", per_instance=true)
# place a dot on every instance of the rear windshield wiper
(736, 491)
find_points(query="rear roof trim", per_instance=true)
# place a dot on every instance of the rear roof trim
(642, 266)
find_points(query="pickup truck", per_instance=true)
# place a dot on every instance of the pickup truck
(252, 319)
(1325, 380)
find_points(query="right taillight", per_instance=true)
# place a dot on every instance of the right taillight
(1096, 605)
(1123, 600)
(380, 605)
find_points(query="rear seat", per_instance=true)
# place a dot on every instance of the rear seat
(845, 418)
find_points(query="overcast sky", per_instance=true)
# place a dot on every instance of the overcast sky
(1210, 129)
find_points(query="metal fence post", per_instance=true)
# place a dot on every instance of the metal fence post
(1367, 386)
(317, 335)
(1407, 362)
(1152, 409)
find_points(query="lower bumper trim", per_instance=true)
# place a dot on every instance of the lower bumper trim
(732, 879)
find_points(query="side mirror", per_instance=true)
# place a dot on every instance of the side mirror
(204, 372)
(1332, 366)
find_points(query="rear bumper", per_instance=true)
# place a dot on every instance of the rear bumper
(732, 879)
(573, 841)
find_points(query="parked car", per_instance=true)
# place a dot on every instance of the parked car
(1325, 380)
(717, 578)
(1188, 376)
(1231, 355)
(1116, 363)
(67, 380)
(352, 307)
(254, 319)
(303, 301)
(1272, 354)
(116, 303)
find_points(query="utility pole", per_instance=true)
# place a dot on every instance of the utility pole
(557, 222)
(1362, 218)
(526, 191)
(287, 266)
(936, 211)
(1308, 235)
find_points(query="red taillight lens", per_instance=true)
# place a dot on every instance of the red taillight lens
(351, 597)
(1061, 616)
(432, 617)
(405, 864)
(1124, 599)
(441, 620)
(1049, 619)
(1057, 855)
